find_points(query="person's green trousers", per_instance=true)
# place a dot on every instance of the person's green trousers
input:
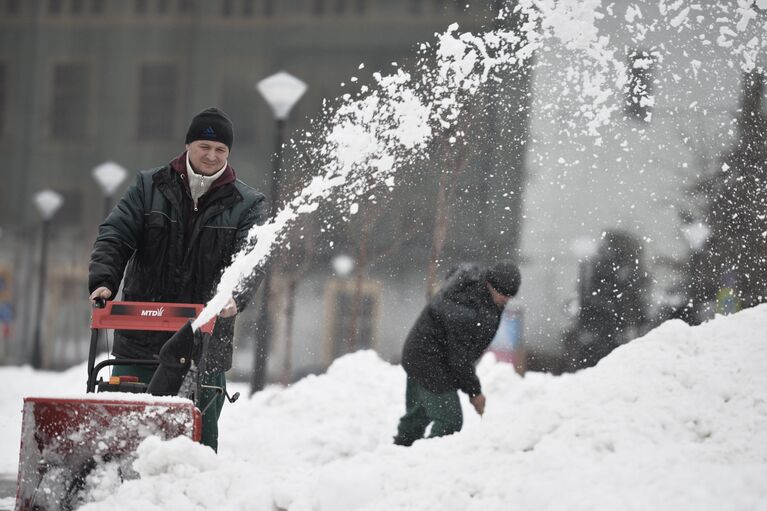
(443, 411)
(209, 418)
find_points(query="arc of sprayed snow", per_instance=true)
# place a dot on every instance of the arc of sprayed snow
(408, 116)
(408, 128)
(268, 236)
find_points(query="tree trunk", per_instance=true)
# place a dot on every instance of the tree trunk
(362, 262)
(290, 312)
(445, 196)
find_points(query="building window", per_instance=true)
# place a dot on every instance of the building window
(141, 7)
(158, 89)
(240, 102)
(340, 6)
(3, 96)
(77, 6)
(13, 7)
(416, 7)
(351, 323)
(69, 112)
(163, 6)
(763, 98)
(227, 8)
(55, 7)
(247, 7)
(318, 7)
(639, 86)
(186, 6)
(752, 102)
(72, 211)
(98, 6)
(269, 8)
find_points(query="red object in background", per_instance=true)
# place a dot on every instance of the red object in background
(504, 356)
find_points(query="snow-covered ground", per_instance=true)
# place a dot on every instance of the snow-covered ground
(676, 420)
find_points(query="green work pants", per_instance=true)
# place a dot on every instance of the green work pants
(442, 410)
(211, 415)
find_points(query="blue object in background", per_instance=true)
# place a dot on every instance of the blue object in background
(508, 338)
(6, 313)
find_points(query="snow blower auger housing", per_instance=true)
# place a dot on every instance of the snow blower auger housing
(64, 439)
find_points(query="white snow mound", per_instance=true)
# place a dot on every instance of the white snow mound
(674, 420)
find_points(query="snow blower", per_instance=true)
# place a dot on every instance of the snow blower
(64, 440)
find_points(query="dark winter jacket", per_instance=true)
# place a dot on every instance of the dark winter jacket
(175, 253)
(451, 333)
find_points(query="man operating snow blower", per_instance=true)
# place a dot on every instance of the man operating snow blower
(171, 235)
(440, 351)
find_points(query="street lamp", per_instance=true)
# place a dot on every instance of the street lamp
(696, 234)
(281, 91)
(583, 248)
(343, 265)
(47, 202)
(109, 176)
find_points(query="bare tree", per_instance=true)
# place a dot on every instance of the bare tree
(375, 213)
(302, 249)
(454, 165)
(736, 202)
(295, 260)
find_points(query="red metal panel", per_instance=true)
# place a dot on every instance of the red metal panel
(62, 438)
(168, 317)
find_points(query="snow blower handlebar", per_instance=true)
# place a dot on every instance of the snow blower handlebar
(167, 317)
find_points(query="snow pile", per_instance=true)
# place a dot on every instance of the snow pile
(675, 420)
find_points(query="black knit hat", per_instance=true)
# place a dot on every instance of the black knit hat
(211, 124)
(504, 277)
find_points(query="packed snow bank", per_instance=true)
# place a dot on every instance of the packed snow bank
(674, 420)
(20, 382)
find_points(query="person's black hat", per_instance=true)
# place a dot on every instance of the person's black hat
(505, 278)
(211, 124)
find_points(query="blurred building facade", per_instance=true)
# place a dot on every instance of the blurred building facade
(88, 81)
(669, 128)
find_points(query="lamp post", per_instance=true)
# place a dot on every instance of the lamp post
(109, 176)
(583, 248)
(696, 235)
(47, 202)
(348, 301)
(281, 91)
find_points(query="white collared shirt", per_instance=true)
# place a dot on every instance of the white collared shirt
(199, 183)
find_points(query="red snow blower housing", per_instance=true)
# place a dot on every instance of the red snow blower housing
(64, 440)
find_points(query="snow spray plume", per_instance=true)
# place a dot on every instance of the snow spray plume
(367, 138)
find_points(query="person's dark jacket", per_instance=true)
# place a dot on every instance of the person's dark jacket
(174, 252)
(451, 333)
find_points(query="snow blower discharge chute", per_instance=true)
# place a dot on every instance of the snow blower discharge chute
(64, 440)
